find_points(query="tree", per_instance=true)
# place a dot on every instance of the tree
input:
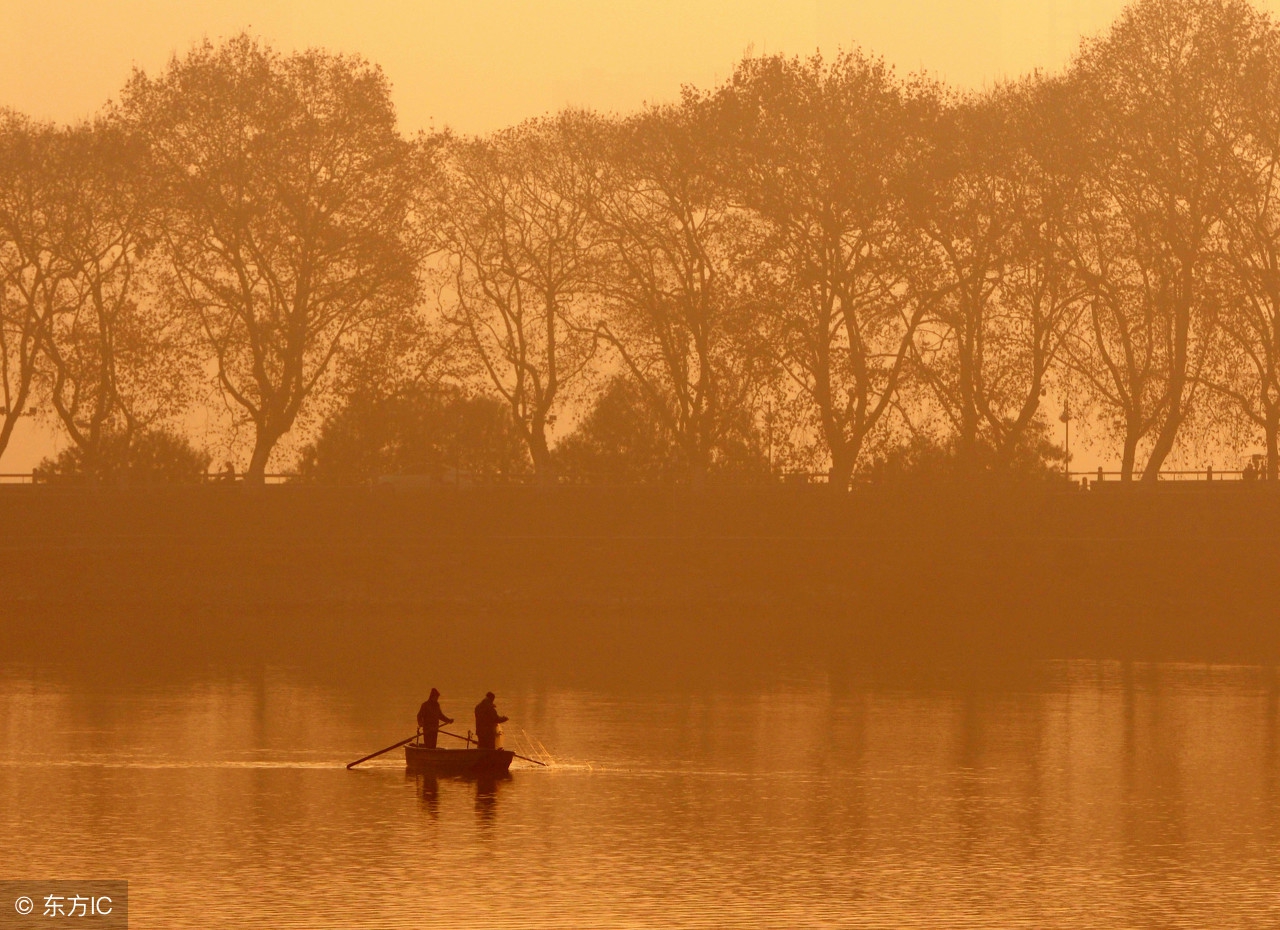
(439, 433)
(624, 440)
(286, 223)
(815, 151)
(991, 202)
(145, 457)
(620, 440)
(1158, 96)
(33, 273)
(513, 223)
(921, 458)
(671, 311)
(1246, 369)
(116, 364)
(1041, 299)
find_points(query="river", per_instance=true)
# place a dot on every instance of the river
(1076, 794)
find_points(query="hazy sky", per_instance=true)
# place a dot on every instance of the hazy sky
(485, 63)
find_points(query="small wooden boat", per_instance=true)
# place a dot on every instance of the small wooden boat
(457, 761)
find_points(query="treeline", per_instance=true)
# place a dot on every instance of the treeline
(817, 265)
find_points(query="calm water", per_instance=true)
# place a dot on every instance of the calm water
(1089, 795)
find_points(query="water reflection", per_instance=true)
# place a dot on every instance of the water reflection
(487, 796)
(1271, 755)
(428, 790)
(483, 788)
(1094, 794)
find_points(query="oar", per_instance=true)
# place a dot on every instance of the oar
(374, 755)
(470, 741)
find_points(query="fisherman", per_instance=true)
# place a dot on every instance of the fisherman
(487, 720)
(430, 716)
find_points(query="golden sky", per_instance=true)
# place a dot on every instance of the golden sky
(476, 65)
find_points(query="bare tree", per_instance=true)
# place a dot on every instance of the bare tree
(286, 191)
(115, 362)
(672, 310)
(1246, 370)
(959, 204)
(33, 273)
(1040, 299)
(1158, 93)
(991, 204)
(514, 225)
(815, 151)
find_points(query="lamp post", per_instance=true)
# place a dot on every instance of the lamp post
(1065, 417)
(769, 432)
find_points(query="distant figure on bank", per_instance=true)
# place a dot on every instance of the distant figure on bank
(1250, 473)
(487, 720)
(229, 473)
(430, 716)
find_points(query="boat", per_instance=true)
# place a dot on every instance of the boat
(457, 761)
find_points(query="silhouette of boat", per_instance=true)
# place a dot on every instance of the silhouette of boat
(458, 761)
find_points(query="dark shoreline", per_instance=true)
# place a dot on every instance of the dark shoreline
(972, 574)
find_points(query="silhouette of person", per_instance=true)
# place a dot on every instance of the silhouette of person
(1250, 473)
(430, 716)
(487, 720)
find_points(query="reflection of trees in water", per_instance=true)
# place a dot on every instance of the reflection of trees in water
(1271, 751)
(1157, 814)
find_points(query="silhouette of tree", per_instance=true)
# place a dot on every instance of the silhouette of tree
(991, 203)
(815, 151)
(624, 440)
(438, 433)
(672, 312)
(116, 363)
(1157, 96)
(151, 456)
(513, 222)
(34, 272)
(921, 458)
(1246, 368)
(287, 194)
(620, 440)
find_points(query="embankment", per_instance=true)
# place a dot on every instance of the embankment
(965, 572)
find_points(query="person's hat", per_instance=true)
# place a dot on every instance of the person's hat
(435, 693)
(489, 695)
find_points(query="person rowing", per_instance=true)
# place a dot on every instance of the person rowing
(430, 716)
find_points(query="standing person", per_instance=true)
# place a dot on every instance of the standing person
(487, 720)
(430, 716)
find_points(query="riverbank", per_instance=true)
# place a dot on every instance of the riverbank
(664, 572)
